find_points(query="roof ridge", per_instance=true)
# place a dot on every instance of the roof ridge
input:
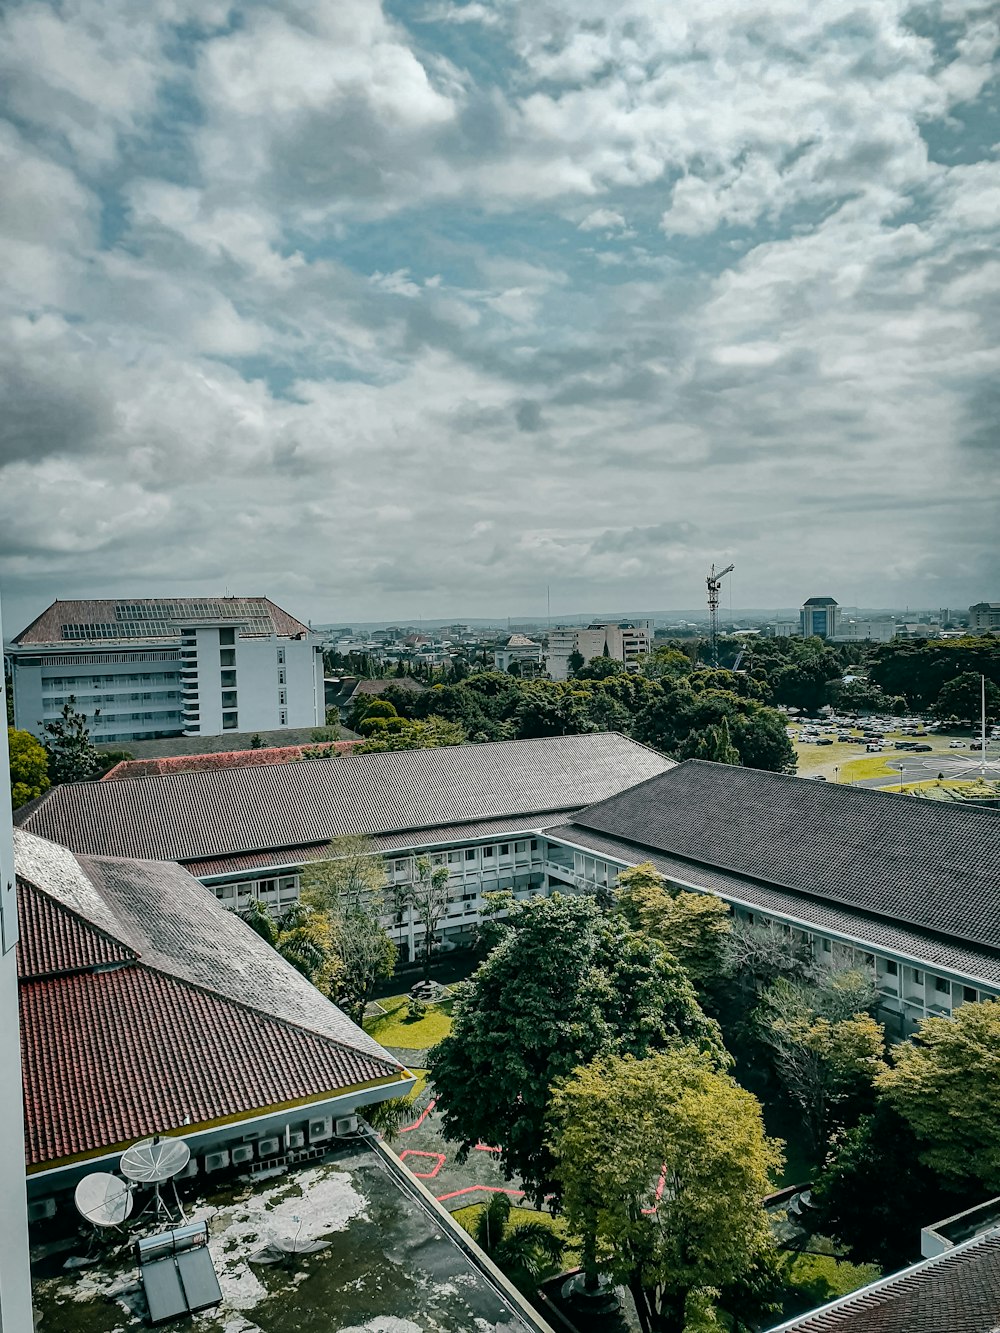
(78, 917)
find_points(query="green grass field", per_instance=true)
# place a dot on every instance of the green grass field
(398, 1029)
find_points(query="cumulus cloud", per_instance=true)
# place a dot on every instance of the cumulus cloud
(310, 304)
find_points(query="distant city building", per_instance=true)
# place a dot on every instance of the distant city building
(177, 666)
(864, 631)
(984, 617)
(783, 629)
(819, 616)
(522, 650)
(625, 641)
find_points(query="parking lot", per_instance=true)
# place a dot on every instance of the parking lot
(874, 751)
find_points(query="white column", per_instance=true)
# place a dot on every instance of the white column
(15, 1273)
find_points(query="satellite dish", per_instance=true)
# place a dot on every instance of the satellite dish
(151, 1161)
(103, 1199)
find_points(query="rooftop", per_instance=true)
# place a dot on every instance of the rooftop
(195, 763)
(914, 863)
(103, 620)
(194, 816)
(393, 1262)
(820, 601)
(146, 1006)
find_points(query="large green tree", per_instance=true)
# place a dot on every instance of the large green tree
(72, 756)
(962, 698)
(566, 983)
(945, 1085)
(919, 669)
(693, 926)
(663, 1164)
(675, 721)
(426, 899)
(29, 767)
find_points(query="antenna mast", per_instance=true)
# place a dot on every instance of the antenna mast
(714, 582)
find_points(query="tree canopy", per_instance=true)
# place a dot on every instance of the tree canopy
(663, 1164)
(565, 984)
(29, 767)
(693, 926)
(72, 757)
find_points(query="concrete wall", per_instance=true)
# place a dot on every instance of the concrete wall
(15, 1276)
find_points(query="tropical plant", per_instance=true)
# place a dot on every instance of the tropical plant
(526, 1251)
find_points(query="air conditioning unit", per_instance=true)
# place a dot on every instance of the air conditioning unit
(346, 1125)
(189, 1172)
(41, 1209)
(215, 1161)
(320, 1130)
(243, 1153)
(295, 1139)
(268, 1148)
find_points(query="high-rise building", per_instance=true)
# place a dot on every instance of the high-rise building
(984, 616)
(820, 616)
(624, 640)
(177, 666)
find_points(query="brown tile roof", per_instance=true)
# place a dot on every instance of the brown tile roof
(195, 763)
(48, 627)
(958, 1292)
(146, 1005)
(223, 812)
(397, 682)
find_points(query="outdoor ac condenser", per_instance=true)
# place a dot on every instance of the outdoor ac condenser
(347, 1124)
(244, 1153)
(320, 1130)
(216, 1161)
(268, 1148)
(295, 1139)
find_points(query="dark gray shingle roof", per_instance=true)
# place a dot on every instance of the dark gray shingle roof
(193, 816)
(916, 863)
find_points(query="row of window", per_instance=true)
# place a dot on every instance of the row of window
(95, 700)
(75, 683)
(273, 892)
(471, 854)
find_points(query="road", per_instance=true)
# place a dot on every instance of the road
(925, 767)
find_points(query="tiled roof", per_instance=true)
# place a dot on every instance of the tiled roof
(916, 863)
(195, 816)
(449, 834)
(397, 683)
(154, 614)
(967, 961)
(957, 1292)
(194, 763)
(146, 1004)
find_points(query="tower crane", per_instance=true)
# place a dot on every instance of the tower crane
(714, 583)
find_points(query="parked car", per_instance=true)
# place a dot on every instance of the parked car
(956, 745)
(927, 748)
(874, 747)
(824, 740)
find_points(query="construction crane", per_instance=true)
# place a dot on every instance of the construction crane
(714, 583)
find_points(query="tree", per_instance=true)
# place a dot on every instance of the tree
(666, 661)
(528, 1252)
(72, 757)
(29, 767)
(827, 1067)
(962, 698)
(944, 1084)
(693, 926)
(872, 1181)
(348, 888)
(302, 936)
(563, 985)
(674, 720)
(663, 1164)
(600, 668)
(426, 897)
(397, 733)
(716, 744)
(575, 662)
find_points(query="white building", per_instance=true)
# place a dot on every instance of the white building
(522, 650)
(819, 616)
(625, 641)
(864, 631)
(984, 617)
(177, 666)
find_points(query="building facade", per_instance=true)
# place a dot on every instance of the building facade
(179, 666)
(624, 641)
(522, 650)
(864, 631)
(819, 616)
(984, 618)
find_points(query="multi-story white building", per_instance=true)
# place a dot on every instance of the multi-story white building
(904, 888)
(625, 641)
(820, 616)
(984, 617)
(177, 666)
(864, 631)
(522, 650)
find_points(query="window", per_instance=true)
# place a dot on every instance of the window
(267, 890)
(227, 657)
(399, 867)
(281, 657)
(891, 968)
(969, 994)
(470, 853)
(453, 857)
(228, 680)
(229, 722)
(282, 696)
(505, 849)
(488, 852)
(941, 986)
(227, 637)
(281, 675)
(916, 976)
(534, 844)
(283, 717)
(520, 846)
(826, 946)
(229, 698)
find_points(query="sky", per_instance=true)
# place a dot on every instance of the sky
(419, 309)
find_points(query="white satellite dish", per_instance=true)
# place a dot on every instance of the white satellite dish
(152, 1162)
(103, 1199)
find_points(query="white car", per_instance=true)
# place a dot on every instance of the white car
(956, 745)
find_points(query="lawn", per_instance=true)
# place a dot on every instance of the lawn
(871, 766)
(396, 1028)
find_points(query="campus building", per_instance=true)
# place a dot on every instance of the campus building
(625, 641)
(906, 888)
(522, 650)
(177, 666)
(820, 616)
(984, 618)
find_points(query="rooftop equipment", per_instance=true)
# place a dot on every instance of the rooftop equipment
(177, 1272)
(154, 1162)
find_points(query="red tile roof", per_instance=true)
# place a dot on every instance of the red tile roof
(193, 763)
(146, 1006)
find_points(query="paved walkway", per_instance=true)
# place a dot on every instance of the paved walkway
(406, 1055)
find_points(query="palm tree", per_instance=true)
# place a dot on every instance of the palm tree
(528, 1252)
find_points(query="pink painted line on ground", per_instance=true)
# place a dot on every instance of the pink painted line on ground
(483, 1147)
(472, 1189)
(421, 1117)
(439, 1161)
